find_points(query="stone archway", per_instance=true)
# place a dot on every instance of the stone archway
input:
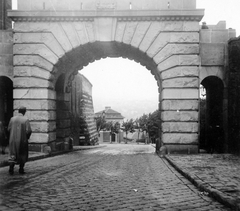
(47, 45)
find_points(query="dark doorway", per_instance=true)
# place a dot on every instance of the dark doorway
(6, 100)
(211, 115)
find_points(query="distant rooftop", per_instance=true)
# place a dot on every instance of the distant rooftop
(109, 114)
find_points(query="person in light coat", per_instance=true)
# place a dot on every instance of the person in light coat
(19, 132)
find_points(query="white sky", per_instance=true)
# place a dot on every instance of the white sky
(129, 87)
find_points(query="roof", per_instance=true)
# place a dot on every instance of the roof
(110, 114)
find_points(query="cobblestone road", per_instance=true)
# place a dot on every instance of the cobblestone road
(116, 177)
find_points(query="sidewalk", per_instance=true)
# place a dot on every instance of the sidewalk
(39, 155)
(216, 175)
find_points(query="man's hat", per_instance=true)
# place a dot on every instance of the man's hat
(22, 109)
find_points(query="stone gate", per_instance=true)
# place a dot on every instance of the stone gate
(53, 40)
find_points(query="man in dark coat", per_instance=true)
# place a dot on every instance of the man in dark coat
(19, 132)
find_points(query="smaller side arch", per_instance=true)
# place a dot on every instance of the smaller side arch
(6, 100)
(212, 71)
(212, 128)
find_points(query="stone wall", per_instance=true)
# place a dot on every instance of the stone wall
(6, 53)
(106, 4)
(214, 63)
(234, 95)
(82, 110)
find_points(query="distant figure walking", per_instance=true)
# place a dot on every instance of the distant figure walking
(20, 131)
(3, 138)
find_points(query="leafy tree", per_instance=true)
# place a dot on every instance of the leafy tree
(150, 123)
(101, 123)
(127, 127)
(153, 123)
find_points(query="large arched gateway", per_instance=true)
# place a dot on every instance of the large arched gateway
(56, 38)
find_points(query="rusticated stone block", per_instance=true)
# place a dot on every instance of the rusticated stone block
(179, 127)
(43, 27)
(179, 60)
(47, 38)
(81, 31)
(22, 82)
(71, 34)
(41, 115)
(180, 93)
(180, 116)
(188, 71)
(180, 105)
(27, 71)
(32, 60)
(43, 127)
(175, 49)
(34, 94)
(90, 31)
(35, 49)
(129, 31)
(151, 35)
(140, 33)
(120, 31)
(180, 138)
(35, 104)
(181, 82)
(42, 137)
(212, 53)
(171, 37)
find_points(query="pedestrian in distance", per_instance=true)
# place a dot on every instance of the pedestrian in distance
(3, 138)
(19, 132)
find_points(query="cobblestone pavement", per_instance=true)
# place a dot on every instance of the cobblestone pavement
(116, 177)
(217, 174)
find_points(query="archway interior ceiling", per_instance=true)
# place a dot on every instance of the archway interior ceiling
(76, 59)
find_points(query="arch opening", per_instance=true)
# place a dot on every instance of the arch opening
(68, 100)
(211, 115)
(6, 100)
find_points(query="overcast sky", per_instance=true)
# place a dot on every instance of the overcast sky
(130, 88)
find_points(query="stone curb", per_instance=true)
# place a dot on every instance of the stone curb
(38, 157)
(202, 186)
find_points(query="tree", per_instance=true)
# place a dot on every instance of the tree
(101, 123)
(153, 123)
(150, 123)
(127, 127)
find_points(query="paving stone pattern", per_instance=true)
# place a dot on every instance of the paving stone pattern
(116, 177)
(218, 174)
